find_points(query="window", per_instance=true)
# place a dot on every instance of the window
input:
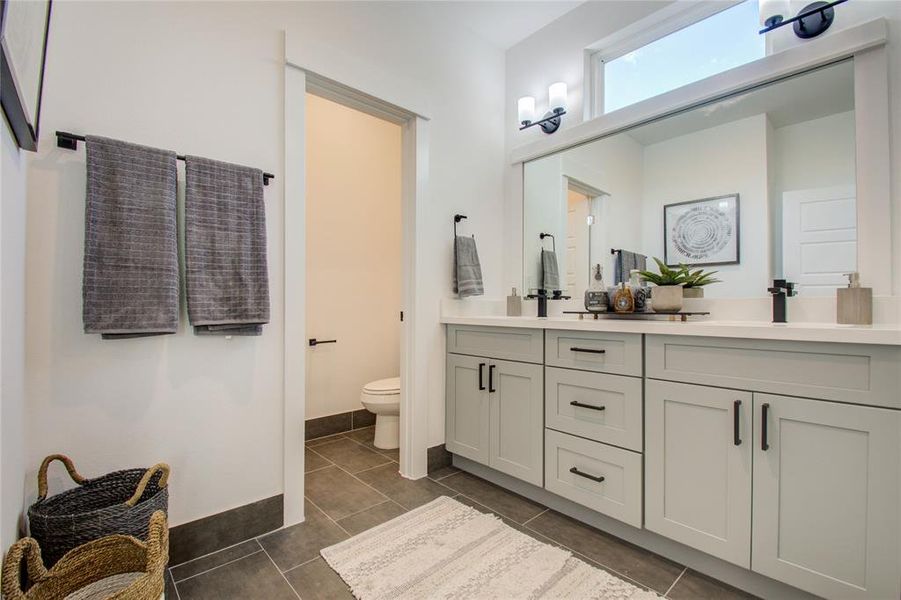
(712, 45)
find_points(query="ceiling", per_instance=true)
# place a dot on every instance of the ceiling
(503, 24)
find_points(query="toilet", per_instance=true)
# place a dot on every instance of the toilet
(382, 398)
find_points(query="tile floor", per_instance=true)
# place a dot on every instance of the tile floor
(352, 486)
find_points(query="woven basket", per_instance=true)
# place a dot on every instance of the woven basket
(115, 567)
(120, 502)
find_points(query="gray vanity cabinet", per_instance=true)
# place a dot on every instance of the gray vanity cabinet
(698, 450)
(495, 407)
(826, 496)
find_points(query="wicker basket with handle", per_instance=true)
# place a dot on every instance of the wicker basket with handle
(117, 503)
(115, 567)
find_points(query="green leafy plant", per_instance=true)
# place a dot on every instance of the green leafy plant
(667, 276)
(699, 277)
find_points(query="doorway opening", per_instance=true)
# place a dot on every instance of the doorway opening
(354, 282)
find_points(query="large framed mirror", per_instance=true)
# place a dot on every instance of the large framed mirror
(757, 186)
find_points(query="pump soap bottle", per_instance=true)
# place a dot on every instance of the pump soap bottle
(854, 304)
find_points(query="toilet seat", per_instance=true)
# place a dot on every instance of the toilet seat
(383, 387)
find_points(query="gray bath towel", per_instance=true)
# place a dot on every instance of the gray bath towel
(550, 270)
(467, 268)
(625, 263)
(130, 284)
(226, 273)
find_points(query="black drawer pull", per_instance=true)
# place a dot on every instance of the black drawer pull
(576, 471)
(736, 414)
(764, 411)
(588, 350)
(481, 373)
(591, 406)
(491, 379)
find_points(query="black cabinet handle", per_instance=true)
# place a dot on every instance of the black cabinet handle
(576, 471)
(764, 411)
(315, 342)
(491, 379)
(591, 406)
(481, 378)
(588, 350)
(736, 415)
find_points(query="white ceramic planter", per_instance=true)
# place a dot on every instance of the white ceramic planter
(666, 298)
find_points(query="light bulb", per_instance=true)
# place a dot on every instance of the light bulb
(526, 106)
(557, 97)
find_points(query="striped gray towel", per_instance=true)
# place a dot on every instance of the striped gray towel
(130, 284)
(625, 263)
(550, 270)
(467, 268)
(226, 273)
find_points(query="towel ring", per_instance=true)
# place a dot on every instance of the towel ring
(457, 219)
(553, 241)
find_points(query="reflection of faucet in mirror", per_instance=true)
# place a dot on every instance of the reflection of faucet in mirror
(781, 290)
(542, 297)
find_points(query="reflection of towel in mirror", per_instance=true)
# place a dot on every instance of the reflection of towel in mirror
(467, 269)
(550, 272)
(625, 263)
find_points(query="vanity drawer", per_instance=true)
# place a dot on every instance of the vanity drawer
(856, 373)
(617, 353)
(602, 407)
(506, 343)
(618, 495)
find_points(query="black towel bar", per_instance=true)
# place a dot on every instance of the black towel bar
(69, 141)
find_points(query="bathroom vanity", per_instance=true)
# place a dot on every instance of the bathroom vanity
(775, 449)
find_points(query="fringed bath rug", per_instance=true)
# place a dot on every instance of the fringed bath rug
(448, 550)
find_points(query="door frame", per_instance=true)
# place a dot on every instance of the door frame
(393, 99)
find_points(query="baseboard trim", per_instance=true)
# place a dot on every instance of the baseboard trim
(221, 530)
(438, 458)
(743, 579)
(339, 423)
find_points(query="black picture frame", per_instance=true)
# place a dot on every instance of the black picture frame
(12, 98)
(668, 260)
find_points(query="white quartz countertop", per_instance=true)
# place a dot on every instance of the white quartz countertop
(802, 332)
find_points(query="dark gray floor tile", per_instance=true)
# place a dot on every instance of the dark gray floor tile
(297, 544)
(406, 492)
(317, 581)
(330, 425)
(642, 566)
(339, 494)
(507, 503)
(366, 436)
(253, 576)
(692, 586)
(199, 565)
(351, 456)
(363, 418)
(313, 461)
(371, 517)
(170, 592)
(323, 440)
(443, 472)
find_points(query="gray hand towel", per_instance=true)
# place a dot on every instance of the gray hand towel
(130, 284)
(226, 273)
(467, 268)
(550, 270)
(625, 263)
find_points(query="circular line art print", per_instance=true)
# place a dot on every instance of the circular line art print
(702, 231)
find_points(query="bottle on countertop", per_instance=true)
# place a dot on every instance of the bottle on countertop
(623, 302)
(514, 304)
(596, 298)
(854, 304)
(639, 291)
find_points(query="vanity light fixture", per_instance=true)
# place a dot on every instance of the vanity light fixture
(814, 19)
(551, 120)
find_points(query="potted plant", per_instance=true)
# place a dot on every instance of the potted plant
(667, 296)
(695, 281)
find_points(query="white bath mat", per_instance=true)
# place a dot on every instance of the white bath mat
(448, 550)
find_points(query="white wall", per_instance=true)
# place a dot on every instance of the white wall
(208, 79)
(727, 159)
(555, 52)
(12, 338)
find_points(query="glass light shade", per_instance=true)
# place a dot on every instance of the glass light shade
(557, 96)
(526, 109)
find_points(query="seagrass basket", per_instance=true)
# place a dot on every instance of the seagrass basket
(117, 503)
(115, 567)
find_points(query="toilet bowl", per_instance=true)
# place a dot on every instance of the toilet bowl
(382, 398)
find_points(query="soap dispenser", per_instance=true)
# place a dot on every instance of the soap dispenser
(854, 304)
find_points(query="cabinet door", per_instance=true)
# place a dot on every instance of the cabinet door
(698, 467)
(826, 505)
(516, 392)
(466, 422)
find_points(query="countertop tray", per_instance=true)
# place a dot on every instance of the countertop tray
(673, 316)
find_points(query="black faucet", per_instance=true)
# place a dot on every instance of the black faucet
(781, 290)
(541, 295)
